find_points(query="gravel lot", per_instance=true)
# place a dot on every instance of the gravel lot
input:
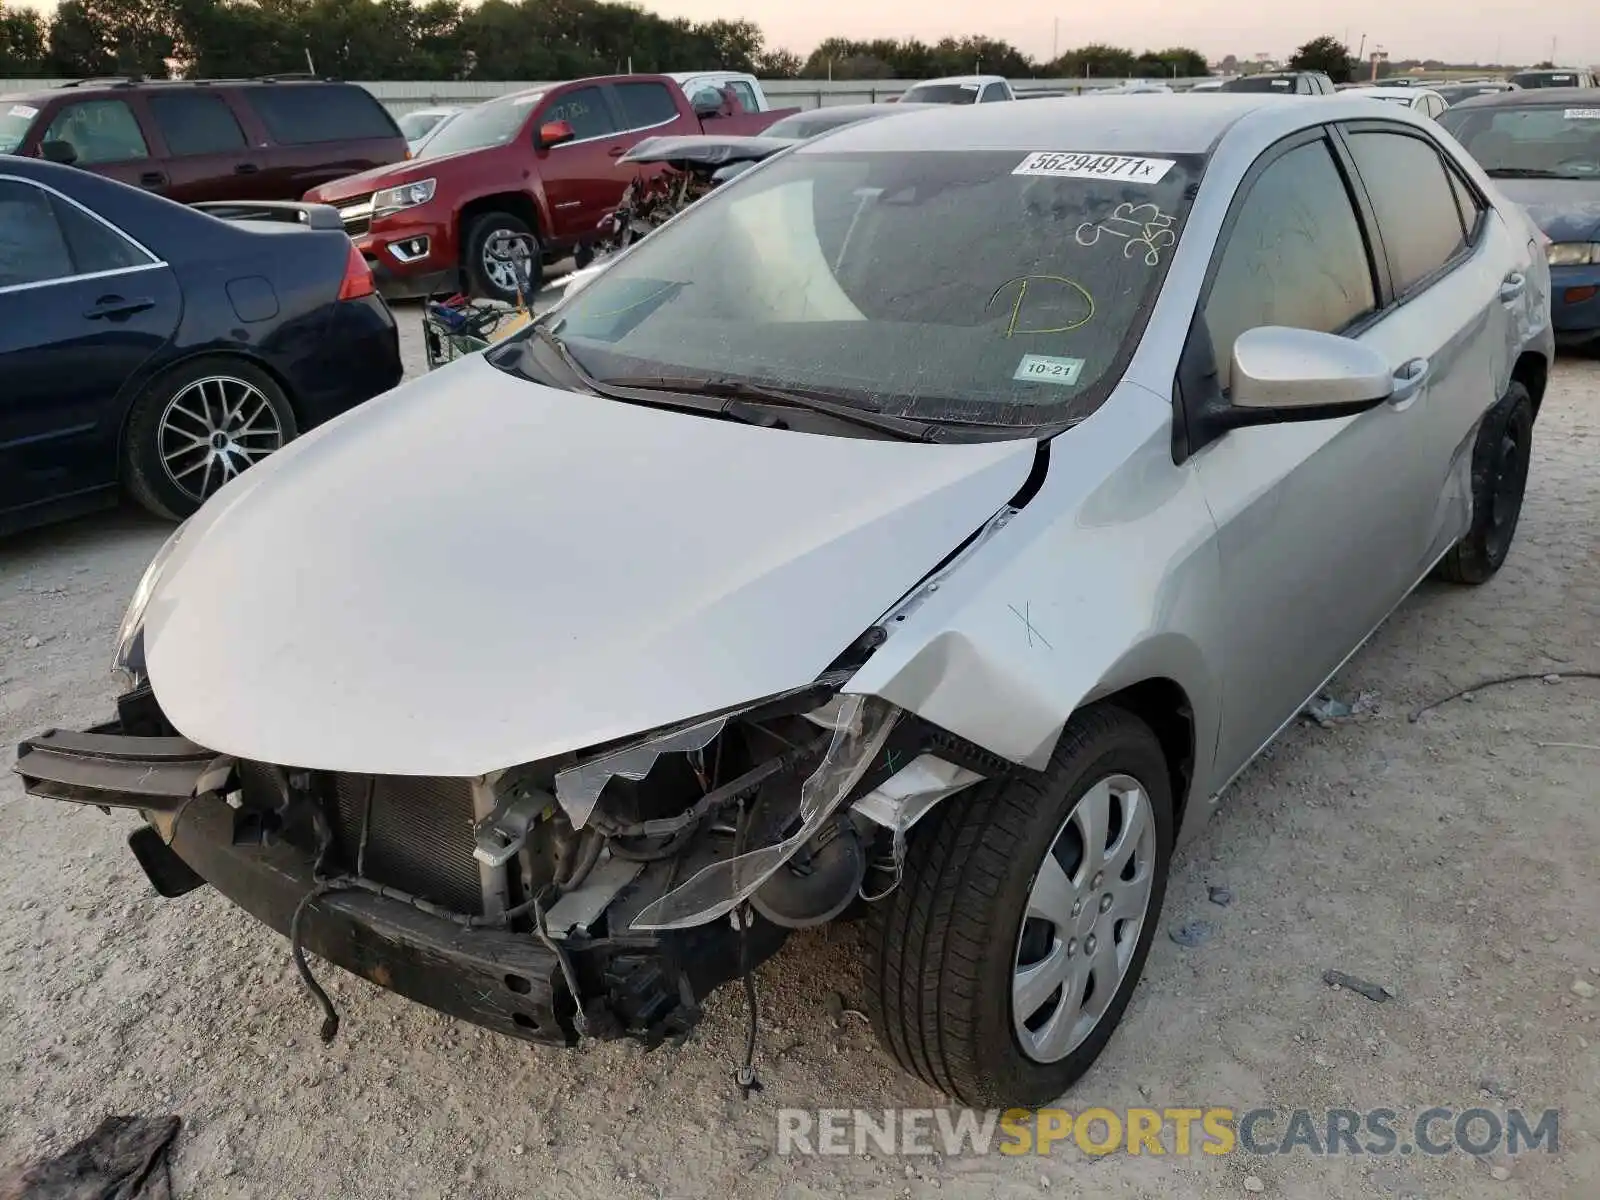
(1455, 860)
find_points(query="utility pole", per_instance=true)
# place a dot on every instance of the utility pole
(1055, 41)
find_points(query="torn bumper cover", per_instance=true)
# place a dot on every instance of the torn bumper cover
(499, 977)
(543, 902)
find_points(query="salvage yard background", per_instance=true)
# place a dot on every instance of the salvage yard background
(1455, 860)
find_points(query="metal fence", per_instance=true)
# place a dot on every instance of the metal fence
(401, 96)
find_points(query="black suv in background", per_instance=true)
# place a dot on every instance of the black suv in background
(273, 138)
(1288, 83)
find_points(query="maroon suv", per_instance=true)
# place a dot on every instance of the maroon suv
(537, 168)
(273, 138)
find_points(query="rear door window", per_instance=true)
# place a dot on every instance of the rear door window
(1413, 200)
(1295, 256)
(585, 109)
(299, 114)
(196, 123)
(643, 105)
(32, 247)
(100, 131)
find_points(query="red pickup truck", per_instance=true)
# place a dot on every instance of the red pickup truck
(539, 164)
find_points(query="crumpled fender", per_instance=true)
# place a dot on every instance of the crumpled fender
(1107, 577)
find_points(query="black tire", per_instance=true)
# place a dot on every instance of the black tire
(943, 947)
(152, 480)
(1500, 459)
(583, 256)
(480, 282)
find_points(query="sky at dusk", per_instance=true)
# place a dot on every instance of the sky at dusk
(1496, 31)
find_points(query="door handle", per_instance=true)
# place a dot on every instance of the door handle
(617, 151)
(153, 179)
(1408, 381)
(246, 169)
(113, 307)
(1512, 287)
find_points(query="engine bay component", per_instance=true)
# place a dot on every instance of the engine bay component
(819, 882)
(860, 725)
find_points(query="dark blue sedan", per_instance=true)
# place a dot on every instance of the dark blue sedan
(1542, 147)
(159, 350)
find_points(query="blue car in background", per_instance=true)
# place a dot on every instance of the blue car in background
(1542, 147)
(159, 350)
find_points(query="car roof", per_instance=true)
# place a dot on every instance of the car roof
(1381, 92)
(865, 110)
(980, 79)
(714, 73)
(1529, 97)
(117, 85)
(1149, 123)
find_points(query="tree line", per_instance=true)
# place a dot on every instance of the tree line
(492, 40)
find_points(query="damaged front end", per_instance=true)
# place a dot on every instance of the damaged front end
(604, 893)
(689, 168)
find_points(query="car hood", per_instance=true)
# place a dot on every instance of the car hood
(1567, 210)
(475, 571)
(705, 149)
(364, 183)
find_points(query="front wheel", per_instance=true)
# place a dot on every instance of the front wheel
(503, 258)
(1500, 459)
(1004, 962)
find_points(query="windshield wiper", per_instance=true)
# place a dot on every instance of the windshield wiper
(737, 392)
(1523, 173)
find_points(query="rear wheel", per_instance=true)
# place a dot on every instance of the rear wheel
(1004, 962)
(502, 253)
(1500, 459)
(198, 426)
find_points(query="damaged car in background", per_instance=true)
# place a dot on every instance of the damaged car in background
(924, 536)
(688, 166)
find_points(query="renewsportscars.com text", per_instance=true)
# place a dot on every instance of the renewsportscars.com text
(1163, 1131)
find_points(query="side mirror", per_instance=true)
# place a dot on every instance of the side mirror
(707, 104)
(1282, 374)
(57, 151)
(554, 133)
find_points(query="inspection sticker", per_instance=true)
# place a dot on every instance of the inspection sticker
(1094, 166)
(1582, 114)
(23, 110)
(1046, 368)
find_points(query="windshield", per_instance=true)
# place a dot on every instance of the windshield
(810, 125)
(491, 124)
(1259, 83)
(15, 121)
(1547, 141)
(942, 93)
(997, 287)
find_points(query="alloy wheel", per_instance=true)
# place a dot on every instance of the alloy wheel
(506, 257)
(1088, 905)
(213, 429)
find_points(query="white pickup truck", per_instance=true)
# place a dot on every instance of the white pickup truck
(958, 89)
(746, 87)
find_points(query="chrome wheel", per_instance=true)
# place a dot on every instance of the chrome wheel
(1088, 905)
(213, 429)
(506, 257)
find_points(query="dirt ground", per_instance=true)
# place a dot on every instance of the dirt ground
(1455, 860)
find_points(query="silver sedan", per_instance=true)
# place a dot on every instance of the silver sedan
(927, 526)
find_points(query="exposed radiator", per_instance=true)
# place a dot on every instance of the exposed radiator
(421, 833)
